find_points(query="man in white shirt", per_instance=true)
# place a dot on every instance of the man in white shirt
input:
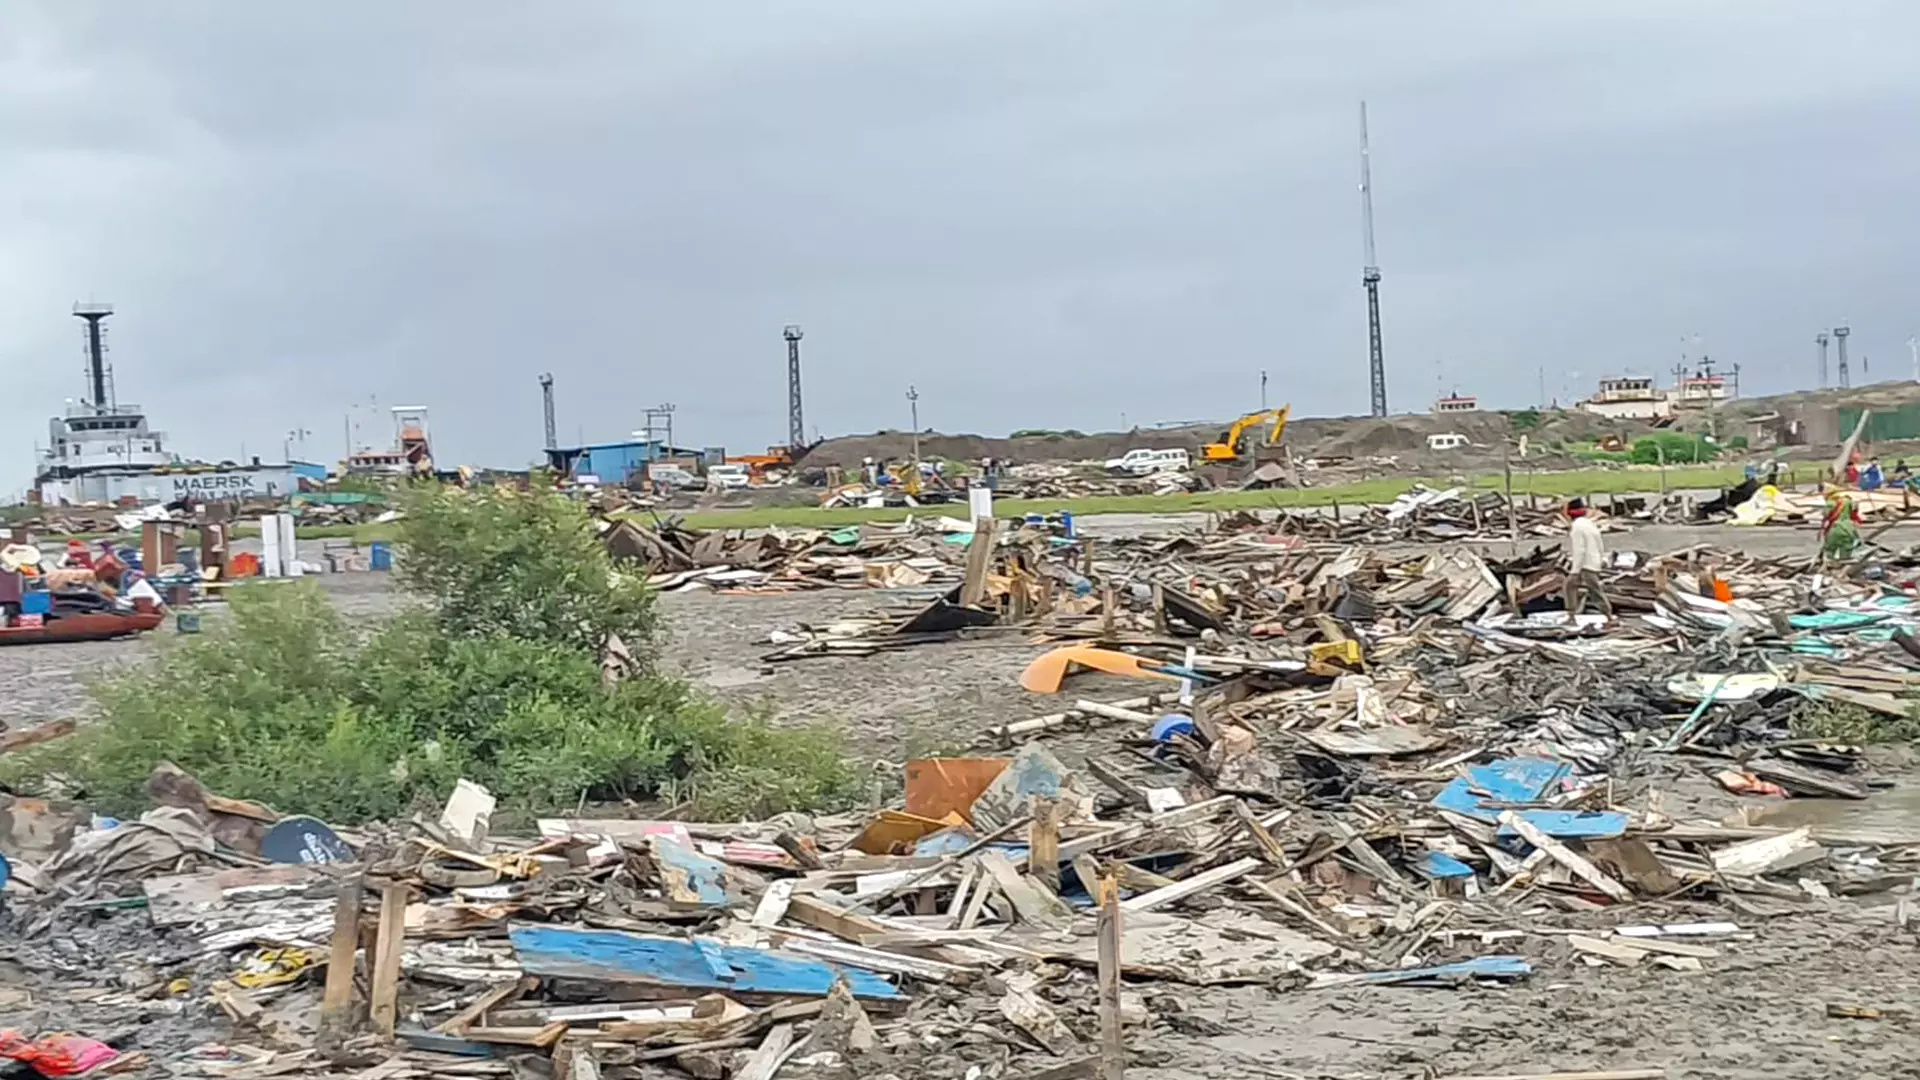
(1586, 555)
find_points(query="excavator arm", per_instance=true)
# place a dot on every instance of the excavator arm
(1229, 449)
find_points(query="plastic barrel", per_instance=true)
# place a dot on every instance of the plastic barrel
(380, 556)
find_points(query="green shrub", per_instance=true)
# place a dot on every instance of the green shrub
(496, 679)
(1678, 448)
(1524, 419)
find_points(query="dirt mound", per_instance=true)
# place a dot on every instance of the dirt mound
(848, 451)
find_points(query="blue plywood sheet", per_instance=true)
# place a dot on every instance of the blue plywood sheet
(692, 877)
(1508, 780)
(1439, 864)
(643, 959)
(1572, 824)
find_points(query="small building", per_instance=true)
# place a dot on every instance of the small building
(1628, 397)
(1456, 403)
(1700, 391)
(617, 463)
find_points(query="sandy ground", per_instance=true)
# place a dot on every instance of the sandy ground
(1756, 1011)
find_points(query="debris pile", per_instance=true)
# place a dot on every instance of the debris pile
(913, 554)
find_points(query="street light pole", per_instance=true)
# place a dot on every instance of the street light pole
(913, 403)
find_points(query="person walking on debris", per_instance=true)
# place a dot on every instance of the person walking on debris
(1586, 554)
(1839, 532)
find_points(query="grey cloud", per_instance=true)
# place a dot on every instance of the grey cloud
(1039, 214)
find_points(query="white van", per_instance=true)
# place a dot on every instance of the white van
(1446, 442)
(728, 477)
(1143, 462)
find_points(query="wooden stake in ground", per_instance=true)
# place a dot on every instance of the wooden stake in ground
(384, 992)
(336, 1004)
(1043, 842)
(973, 590)
(1113, 1047)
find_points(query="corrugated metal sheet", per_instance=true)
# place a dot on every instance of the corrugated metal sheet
(1884, 425)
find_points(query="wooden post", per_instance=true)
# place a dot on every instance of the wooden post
(1043, 842)
(336, 1003)
(1159, 608)
(1113, 1046)
(973, 591)
(384, 990)
(1513, 519)
(1109, 599)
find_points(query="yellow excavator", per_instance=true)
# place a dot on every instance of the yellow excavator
(1230, 448)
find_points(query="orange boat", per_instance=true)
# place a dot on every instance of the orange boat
(95, 626)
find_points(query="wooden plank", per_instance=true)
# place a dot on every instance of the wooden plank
(1031, 901)
(388, 939)
(1270, 848)
(34, 736)
(336, 1003)
(982, 890)
(1566, 857)
(1615, 950)
(840, 922)
(1113, 1047)
(1751, 858)
(773, 904)
(969, 881)
(1673, 948)
(1043, 842)
(1126, 834)
(539, 1037)
(772, 1053)
(878, 960)
(1200, 882)
(460, 1022)
(1117, 784)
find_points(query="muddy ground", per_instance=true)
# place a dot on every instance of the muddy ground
(1756, 1011)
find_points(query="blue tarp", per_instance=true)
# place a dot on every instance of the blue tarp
(702, 965)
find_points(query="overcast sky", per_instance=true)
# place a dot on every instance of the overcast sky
(1043, 213)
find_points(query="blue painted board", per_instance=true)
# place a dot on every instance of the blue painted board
(1572, 824)
(1508, 780)
(1439, 864)
(1480, 967)
(690, 877)
(644, 959)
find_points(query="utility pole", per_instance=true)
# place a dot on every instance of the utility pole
(1542, 373)
(1263, 388)
(1913, 346)
(1821, 340)
(796, 424)
(546, 404)
(913, 403)
(1370, 276)
(1840, 347)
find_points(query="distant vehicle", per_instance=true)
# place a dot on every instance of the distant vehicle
(731, 476)
(1143, 462)
(1449, 441)
(672, 476)
(1233, 441)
